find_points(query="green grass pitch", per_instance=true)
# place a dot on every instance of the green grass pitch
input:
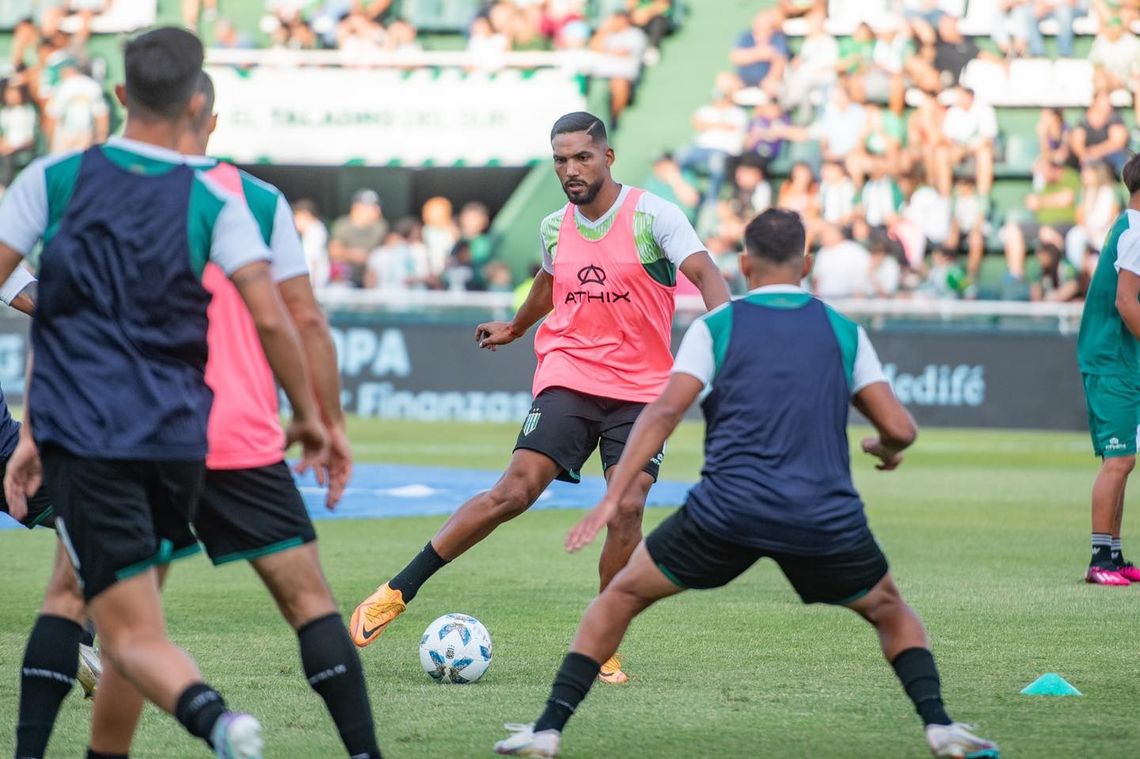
(986, 531)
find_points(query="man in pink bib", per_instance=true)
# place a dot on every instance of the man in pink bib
(610, 261)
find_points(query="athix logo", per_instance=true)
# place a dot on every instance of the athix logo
(594, 275)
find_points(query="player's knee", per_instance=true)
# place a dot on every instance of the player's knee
(883, 603)
(627, 518)
(63, 597)
(1120, 465)
(509, 499)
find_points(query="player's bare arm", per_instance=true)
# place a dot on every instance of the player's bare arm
(313, 329)
(538, 303)
(286, 357)
(703, 272)
(653, 427)
(896, 427)
(1128, 300)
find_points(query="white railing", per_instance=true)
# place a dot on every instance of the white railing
(1066, 315)
(578, 61)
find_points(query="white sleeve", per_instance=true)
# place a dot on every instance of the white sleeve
(672, 230)
(868, 369)
(236, 239)
(24, 212)
(16, 284)
(547, 259)
(1128, 251)
(285, 245)
(695, 355)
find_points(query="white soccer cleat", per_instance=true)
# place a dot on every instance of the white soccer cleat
(90, 670)
(526, 742)
(237, 735)
(958, 741)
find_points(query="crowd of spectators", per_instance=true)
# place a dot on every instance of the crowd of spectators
(875, 140)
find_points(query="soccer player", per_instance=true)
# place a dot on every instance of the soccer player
(118, 402)
(250, 507)
(1110, 367)
(777, 370)
(610, 261)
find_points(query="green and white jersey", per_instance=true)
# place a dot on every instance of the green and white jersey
(663, 234)
(1105, 346)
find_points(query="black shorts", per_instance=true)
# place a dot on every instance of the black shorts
(693, 557)
(567, 426)
(40, 511)
(249, 513)
(118, 518)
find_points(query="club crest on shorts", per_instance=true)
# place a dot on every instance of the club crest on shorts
(530, 422)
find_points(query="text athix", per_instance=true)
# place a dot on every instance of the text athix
(581, 296)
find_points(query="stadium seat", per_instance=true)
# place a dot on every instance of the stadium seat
(979, 18)
(1020, 153)
(439, 15)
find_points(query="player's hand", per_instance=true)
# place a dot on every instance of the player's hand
(490, 335)
(310, 433)
(889, 460)
(340, 465)
(583, 533)
(24, 476)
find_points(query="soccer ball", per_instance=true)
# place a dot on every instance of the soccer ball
(455, 648)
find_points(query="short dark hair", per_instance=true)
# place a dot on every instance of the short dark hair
(206, 87)
(304, 205)
(775, 236)
(1131, 174)
(162, 70)
(580, 121)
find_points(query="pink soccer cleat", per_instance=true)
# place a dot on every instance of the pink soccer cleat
(1129, 571)
(1105, 576)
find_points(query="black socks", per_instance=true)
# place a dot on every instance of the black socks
(198, 709)
(51, 662)
(919, 677)
(571, 685)
(425, 564)
(1101, 550)
(333, 669)
(93, 754)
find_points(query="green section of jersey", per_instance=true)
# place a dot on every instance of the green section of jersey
(653, 258)
(1104, 345)
(262, 201)
(847, 335)
(205, 207)
(59, 178)
(719, 323)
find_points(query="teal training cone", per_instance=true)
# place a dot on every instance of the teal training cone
(1050, 684)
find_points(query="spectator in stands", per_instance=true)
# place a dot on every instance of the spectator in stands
(1064, 12)
(1098, 209)
(842, 267)
(762, 53)
(718, 137)
(17, 131)
(618, 38)
(355, 236)
(439, 237)
(880, 200)
(525, 30)
(813, 70)
(390, 267)
(401, 38)
(228, 37)
(1101, 135)
(558, 15)
(799, 193)
(358, 36)
(1054, 214)
(377, 11)
(474, 225)
(883, 137)
(968, 131)
(951, 52)
(968, 224)
(667, 180)
(855, 58)
(924, 135)
(1053, 138)
(928, 210)
(750, 195)
(78, 116)
(297, 34)
(923, 16)
(192, 10)
(655, 18)
(946, 279)
(837, 195)
(767, 132)
(840, 124)
(314, 240)
(1059, 282)
(1009, 28)
(797, 8)
(893, 59)
(1115, 56)
(884, 276)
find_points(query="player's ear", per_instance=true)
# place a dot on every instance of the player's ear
(610, 157)
(807, 266)
(121, 94)
(213, 124)
(746, 265)
(195, 105)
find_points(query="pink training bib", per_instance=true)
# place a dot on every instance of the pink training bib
(244, 430)
(609, 332)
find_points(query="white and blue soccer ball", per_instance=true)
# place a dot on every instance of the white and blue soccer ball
(455, 648)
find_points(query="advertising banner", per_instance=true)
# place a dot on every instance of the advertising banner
(337, 116)
(434, 372)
